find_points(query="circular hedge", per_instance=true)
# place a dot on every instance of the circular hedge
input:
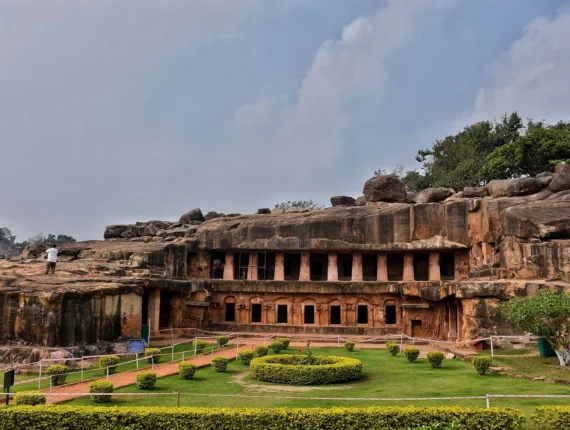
(284, 369)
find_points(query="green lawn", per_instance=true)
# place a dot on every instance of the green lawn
(384, 376)
(535, 367)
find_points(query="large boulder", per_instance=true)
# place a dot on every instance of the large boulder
(561, 180)
(263, 211)
(361, 201)
(545, 178)
(431, 195)
(212, 215)
(193, 215)
(475, 192)
(546, 219)
(342, 201)
(384, 188)
(513, 187)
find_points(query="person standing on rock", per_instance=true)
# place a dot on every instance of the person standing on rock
(51, 259)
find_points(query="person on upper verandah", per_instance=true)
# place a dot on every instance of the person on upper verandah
(51, 259)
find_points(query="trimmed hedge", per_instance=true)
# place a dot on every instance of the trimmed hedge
(392, 348)
(220, 363)
(153, 355)
(186, 369)
(284, 369)
(261, 351)
(199, 345)
(146, 379)
(349, 345)
(482, 364)
(411, 354)
(162, 418)
(246, 356)
(277, 346)
(58, 373)
(435, 359)
(285, 342)
(552, 417)
(223, 340)
(30, 398)
(101, 387)
(109, 360)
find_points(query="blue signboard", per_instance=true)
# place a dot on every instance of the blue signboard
(136, 346)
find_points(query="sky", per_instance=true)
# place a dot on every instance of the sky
(119, 111)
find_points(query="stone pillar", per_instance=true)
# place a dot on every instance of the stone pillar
(333, 267)
(154, 309)
(408, 267)
(305, 272)
(229, 267)
(357, 267)
(252, 267)
(434, 272)
(382, 270)
(279, 266)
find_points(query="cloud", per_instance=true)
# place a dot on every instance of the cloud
(530, 77)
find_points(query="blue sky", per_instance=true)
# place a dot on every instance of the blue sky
(118, 111)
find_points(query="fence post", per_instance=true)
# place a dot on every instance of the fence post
(182, 355)
(137, 360)
(172, 352)
(492, 351)
(237, 347)
(50, 396)
(107, 373)
(338, 340)
(152, 362)
(401, 341)
(82, 369)
(487, 401)
(178, 399)
(40, 378)
(172, 333)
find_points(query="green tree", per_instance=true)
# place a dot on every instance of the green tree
(547, 315)
(300, 204)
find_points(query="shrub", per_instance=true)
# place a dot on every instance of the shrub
(101, 387)
(261, 351)
(167, 418)
(199, 345)
(58, 373)
(186, 369)
(277, 346)
(482, 364)
(393, 348)
(246, 356)
(30, 398)
(108, 361)
(435, 358)
(153, 354)
(223, 340)
(285, 342)
(411, 354)
(551, 417)
(146, 379)
(349, 345)
(284, 369)
(220, 363)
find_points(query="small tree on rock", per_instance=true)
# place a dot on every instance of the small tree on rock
(547, 315)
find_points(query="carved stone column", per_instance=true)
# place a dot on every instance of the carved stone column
(229, 267)
(333, 267)
(357, 267)
(252, 267)
(305, 272)
(279, 266)
(408, 267)
(434, 272)
(154, 309)
(382, 270)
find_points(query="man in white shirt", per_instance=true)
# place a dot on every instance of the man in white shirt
(51, 259)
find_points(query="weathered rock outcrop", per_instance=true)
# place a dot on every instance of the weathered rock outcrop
(431, 195)
(541, 220)
(561, 179)
(385, 188)
(192, 216)
(513, 187)
(342, 201)
(475, 192)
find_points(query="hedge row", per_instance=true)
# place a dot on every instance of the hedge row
(552, 417)
(161, 418)
(324, 370)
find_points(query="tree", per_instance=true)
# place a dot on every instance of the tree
(7, 239)
(300, 204)
(547, 315)
(51, 238)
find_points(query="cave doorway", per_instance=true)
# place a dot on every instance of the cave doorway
(369, 267)
(344, 267)
(282, 314)
(292, 266)
(447, 266)
(421, 267)
(395, 264)
(334, 315)
(309, 317)
(319, 266)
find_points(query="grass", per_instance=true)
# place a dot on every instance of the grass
(502, 352)
(535, 367)
(384, 376)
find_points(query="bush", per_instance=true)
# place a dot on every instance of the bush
(551, 417)
(393, 348)
(30, 398)
(285, 369)
(186, 369)
(435, 359)
(261, 351)
(277, 346)
(146, 379)
(285, 342)
(349, 345)
(101, 387)
(58, 373)
(109, 360)
(223, 340)
(199, 345)
(220, 363)
(153, 354)
(246, 356)
(482, 364)
(163, 418)
(411, 354)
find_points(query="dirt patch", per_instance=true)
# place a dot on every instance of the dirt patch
(252, 386)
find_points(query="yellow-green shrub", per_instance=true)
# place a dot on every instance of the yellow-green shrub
(393, 348)
(58, 373)
(246, 356)
(277, 346)
(261, 351)
(324, 370)
(411, 354)
(285, 342)
(110, 361)
(552, 417)
(220, 363)
(161, 418)
(101, 387)
(199, 345)
(186, 369)
(30, 398)
(435, 359)
(482, 364)
(153, 354)
(223, 340)
(349, 345)
(146, 379)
